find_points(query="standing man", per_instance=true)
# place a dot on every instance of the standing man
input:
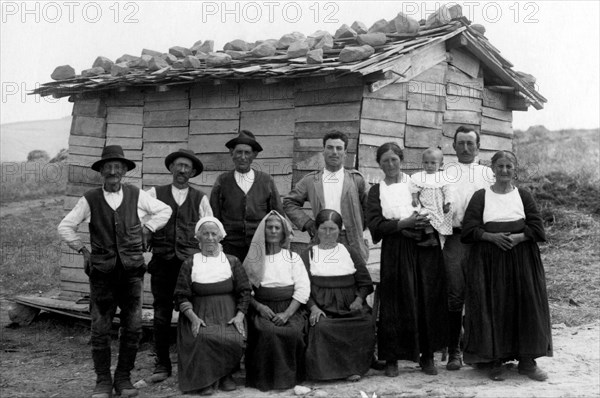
(172, 245)
(115, 266)
(465, 178)
(336, 188)
(241, 198)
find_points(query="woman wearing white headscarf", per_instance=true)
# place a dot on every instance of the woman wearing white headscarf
(212, 295)
(276, 322)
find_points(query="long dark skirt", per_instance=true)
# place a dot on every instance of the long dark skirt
(218, 348)
(413, 313)
(275, 354)
(342, 344)
(506, 304)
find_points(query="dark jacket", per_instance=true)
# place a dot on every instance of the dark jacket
(241, 213)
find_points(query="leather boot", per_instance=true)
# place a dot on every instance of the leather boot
(528, 366)
(455, 328)
(125, 364)
(427, 364)
(104, 383)
(162, 367)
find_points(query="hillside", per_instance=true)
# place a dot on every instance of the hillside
(18, 139)
(574, 152)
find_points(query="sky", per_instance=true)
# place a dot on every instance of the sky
(556, 41)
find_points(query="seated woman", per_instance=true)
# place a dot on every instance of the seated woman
(506, 304)
(212, 295)
(277, 324)
(341, 339)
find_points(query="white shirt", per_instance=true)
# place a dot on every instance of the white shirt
(244, 180)
(210, 269)
(180, 195)
(503, 207)
(464, 180)
(284, 269)
(333, 183)
(331, 262)
(396, 200)
(158, 211)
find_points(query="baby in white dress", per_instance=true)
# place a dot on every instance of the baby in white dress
(433, 193)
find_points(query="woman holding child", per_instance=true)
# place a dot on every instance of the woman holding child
(506, 304)
(413, 311)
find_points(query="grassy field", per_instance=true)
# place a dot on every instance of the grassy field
(561, 168)
(32, 180)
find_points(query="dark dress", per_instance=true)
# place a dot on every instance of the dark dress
(218, 348)
(506, 304)
(275, 354)
(341, 344)
(413, 315)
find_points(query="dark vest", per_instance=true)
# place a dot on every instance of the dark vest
(115, 232)
(241, 213)
(177, 237)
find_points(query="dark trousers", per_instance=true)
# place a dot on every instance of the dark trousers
(454, 260)
(164, 275)
(122, 288)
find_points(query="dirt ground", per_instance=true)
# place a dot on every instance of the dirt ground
(51, 358)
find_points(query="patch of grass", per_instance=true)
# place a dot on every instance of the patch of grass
(32, 180)
(562, 170)
(570, 258)
(575, 153)
(30, 250)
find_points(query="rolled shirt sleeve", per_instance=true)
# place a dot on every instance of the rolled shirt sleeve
(301, 280)
(67, 229)
(158, 211)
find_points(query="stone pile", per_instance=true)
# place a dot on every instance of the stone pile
(349, 44)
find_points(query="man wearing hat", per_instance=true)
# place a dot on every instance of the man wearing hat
(242, 197)
(172, 245)
(115, 266)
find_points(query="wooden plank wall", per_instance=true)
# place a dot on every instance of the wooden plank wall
(149, 125)
(87, 138)
(425, 112)
(268, 112)
(214, 120)
(321, 106)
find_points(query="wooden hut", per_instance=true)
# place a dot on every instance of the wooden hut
(416, 89)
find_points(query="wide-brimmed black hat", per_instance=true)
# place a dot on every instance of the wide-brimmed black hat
(112, 152)
(185, 153)
(245, 137)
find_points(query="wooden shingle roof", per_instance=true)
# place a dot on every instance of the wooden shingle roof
(379, 69)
